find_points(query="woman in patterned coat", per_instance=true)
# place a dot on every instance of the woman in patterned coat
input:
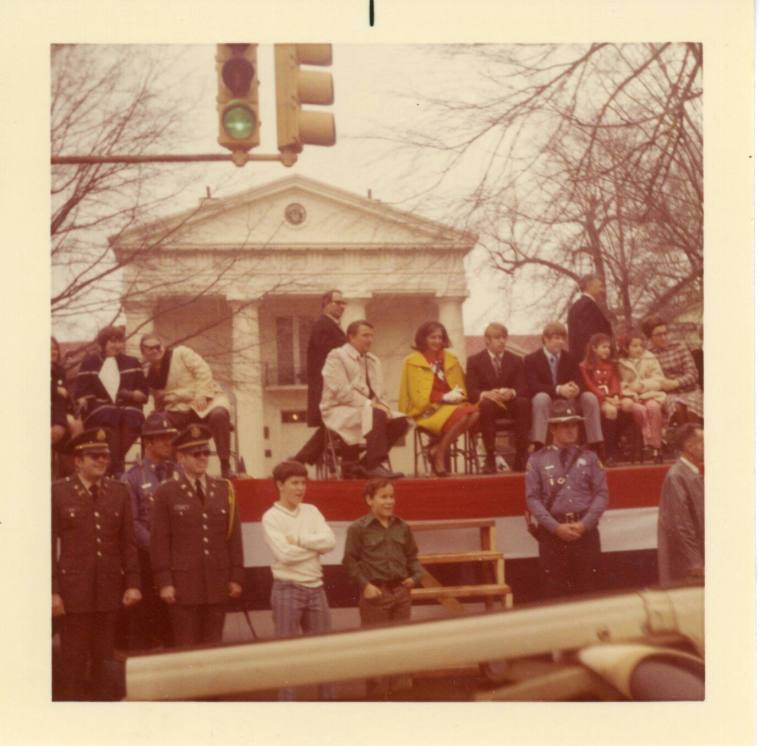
(684, 397)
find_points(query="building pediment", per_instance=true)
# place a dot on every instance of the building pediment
(292, 213)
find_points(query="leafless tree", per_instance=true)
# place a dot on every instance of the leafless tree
(125, 100)
(577, 158)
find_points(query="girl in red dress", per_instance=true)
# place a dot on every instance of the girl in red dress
(600, 376)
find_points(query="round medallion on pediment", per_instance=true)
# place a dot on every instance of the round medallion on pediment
(295, 213)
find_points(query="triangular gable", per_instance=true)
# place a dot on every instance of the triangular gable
(324, 216)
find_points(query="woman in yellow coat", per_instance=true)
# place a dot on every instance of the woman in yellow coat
(433, 391)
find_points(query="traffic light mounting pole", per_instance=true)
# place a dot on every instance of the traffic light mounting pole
(76, 160)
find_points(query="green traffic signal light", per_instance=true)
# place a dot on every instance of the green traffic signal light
(238, 120)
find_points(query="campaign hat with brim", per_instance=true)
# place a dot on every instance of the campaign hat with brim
(158, 423)
(191, 437)
(94, 440)
(563, 411)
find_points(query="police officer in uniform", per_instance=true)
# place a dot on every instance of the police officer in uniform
(195, 543)
(566, 495)
(148, 623)
(95, 570)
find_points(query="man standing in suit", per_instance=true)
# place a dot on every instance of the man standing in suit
(326, 335)
(196, 549)
(681, 521)
(496, 382)
(585, 317)
(95, 566)
(551, 373)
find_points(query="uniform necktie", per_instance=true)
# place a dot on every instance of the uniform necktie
(564, 457)
(199, 491)
(94, 491)
(161, 472)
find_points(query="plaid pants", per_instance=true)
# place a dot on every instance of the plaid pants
(297, 609)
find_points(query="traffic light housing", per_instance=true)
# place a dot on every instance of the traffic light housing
(237, 99)
(294, 86)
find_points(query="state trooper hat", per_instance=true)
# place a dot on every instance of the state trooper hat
(94, 440)
(563, 411)
(192, 437)
(157, 423)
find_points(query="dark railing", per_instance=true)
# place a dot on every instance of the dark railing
(284, 375)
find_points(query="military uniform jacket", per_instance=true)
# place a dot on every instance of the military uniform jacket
(583, 489)
(97, 558)
(189, 548)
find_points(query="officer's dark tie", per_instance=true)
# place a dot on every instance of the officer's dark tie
(564, 457)
(94, 491)
(160, 472)
(199, 491)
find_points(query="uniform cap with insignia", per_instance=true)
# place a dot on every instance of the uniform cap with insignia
(94, 440)
(158, 423)
(192, 437)
(563, 411)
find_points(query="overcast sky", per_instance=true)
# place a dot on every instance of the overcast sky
(379, 91)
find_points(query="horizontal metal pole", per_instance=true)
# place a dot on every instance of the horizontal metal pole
(75, 160)
(237, 669)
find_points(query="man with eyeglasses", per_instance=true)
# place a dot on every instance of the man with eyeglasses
(326, 335)
(196, 548)
(95, 570)
(182, 385)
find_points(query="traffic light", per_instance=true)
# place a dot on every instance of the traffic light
(237, 99)
(297, 127)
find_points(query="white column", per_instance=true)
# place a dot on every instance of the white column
(247, 385)
(450, 315)
(139, 321)
(356, 308)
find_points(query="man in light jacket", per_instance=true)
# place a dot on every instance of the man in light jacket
(182, 384)
(353, 403)
(681, 521)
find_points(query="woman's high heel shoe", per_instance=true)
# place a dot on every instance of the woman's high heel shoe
(438, 472)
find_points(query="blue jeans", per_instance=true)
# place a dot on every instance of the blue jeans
(298, 609)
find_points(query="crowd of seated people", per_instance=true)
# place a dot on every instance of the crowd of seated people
(643, 376)
(111, 388)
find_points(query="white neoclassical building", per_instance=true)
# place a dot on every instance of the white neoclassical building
(239, 280)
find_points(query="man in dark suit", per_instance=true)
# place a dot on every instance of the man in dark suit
(496, 382)
(326, 335)
(94, 563)
(551, 373)
(585, 317)
(196, 549)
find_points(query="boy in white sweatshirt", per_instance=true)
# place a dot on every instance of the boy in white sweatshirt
(297, 534)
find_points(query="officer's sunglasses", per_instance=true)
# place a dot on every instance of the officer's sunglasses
(99, 456)
(200, 453)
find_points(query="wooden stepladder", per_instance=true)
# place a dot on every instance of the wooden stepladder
(494, 589)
